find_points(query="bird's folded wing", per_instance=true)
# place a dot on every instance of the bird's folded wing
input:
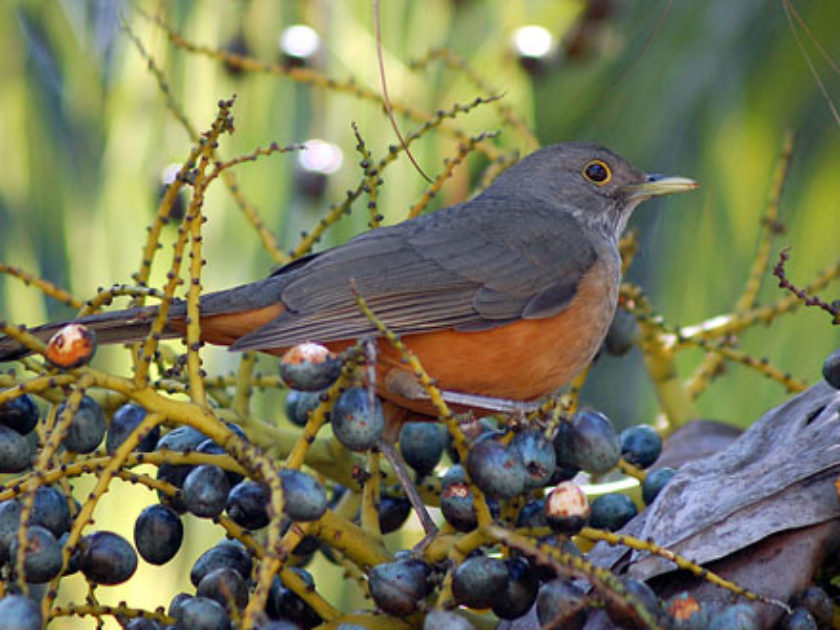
(473, 267)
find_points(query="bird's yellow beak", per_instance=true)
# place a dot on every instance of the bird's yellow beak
(658, 185)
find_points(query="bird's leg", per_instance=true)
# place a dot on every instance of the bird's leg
(386, 446)
(398, 465)
(370, 349)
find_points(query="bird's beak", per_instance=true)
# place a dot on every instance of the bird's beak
(657, 185)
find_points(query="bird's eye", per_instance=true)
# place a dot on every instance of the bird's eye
(597, 172)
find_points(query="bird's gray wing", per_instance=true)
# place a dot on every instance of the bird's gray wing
(470, 267)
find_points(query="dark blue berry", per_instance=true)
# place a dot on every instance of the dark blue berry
(107, 558)
(612, 511)
(831, 369)
(458, 507)
(87, 428)
(209, 447)
(205, 491)
(640, 445)
(398, 587)
(622, 334)
(357, 423)
(589, 442)
(226, 586)
(496, 469)
(176, 603)
(520, 592)
(270, 608)
(227, 553)
(247, 504)
(10, 511)
(654, 482)
(304, 497)
(305, 549)
(202, 613)
(291, 607)
(393, 512)
(51, 510)
(479, 581)
(15, 451)
(181, 439)
(123, 422)
(300, 404)
(532, 514)
(158, 533)
(20, 414)
(421, 445)
(536, 454)
(42, 555)
(817, 602)
(18, 612)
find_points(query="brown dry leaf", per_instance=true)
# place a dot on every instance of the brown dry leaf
(766, 497)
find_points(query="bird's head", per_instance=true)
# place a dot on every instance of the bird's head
(597, 186)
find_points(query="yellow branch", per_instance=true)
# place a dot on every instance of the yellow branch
(596, 535)
(48, 288)
(712, 363)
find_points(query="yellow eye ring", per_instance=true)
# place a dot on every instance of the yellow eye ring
(597, 172)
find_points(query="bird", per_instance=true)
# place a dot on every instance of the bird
(504, 297)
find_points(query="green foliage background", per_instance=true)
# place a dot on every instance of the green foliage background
(705, 89)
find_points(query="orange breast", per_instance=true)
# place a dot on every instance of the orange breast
(520, 361)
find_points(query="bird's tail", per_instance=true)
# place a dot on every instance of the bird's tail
(261, 299)
(126, 326)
